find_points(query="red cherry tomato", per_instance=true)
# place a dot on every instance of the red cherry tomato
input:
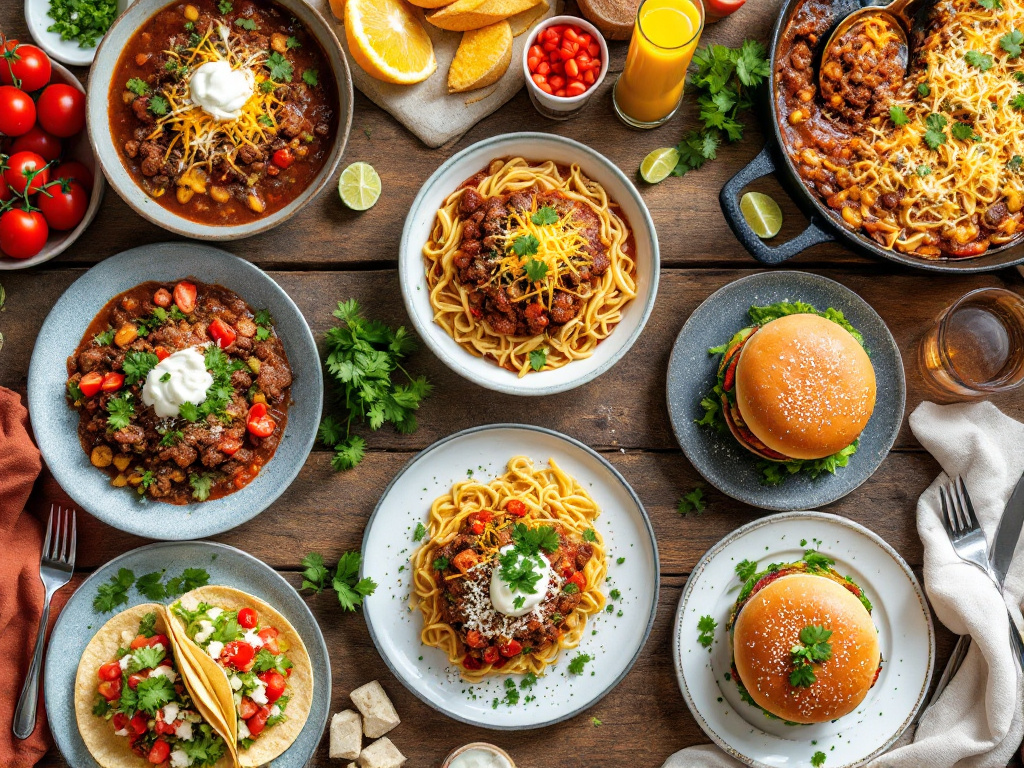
(579, 580)
(22, 233)
(516, 507)
(5, 192)
(110, 689)
(471, 663)
(247, 708)
(134, 680)
(269, 638)
(112, 382)
(90, 385)
(510, 649)
(161, 353)
(110, 671)
(185, 297)
(161, 727)
(138, 723)
(39, 141)
(474, 639)
(64, 206)
(159, 752)
(248, 618)
(258, 722)
(275, 683)
(25, 63)
(259, 422)
(238, 655)
(222, 333)
(17, 111)
(120, 721)
(283, 158)
(72, 169)
(491, 655)
(61, 110)
(22, 165)
(564, 57)
(719, 9)
(141, 641)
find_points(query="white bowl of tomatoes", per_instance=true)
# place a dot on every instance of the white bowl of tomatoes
(50, 184)
(565, 60)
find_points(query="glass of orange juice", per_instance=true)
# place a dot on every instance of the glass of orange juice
(665, 36)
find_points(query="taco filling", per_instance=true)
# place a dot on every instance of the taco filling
(252, 655)
(141, 695)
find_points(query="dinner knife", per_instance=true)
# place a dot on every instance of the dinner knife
(1008, 532)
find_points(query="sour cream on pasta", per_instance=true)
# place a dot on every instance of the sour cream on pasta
(504, 599)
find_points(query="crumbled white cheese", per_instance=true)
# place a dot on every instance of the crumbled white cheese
(243, 730)
(214, 649)
(179, 759)
(125, 661)
(122, 732)
(183, 730)
(236, 682)
(170, 712)
(275, 711)
(206, 629)
(167, 672)
(253, 638)
(213, 613)
(259, 695)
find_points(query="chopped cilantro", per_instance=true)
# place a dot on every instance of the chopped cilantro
(535, 270)
(158, 105)
(201, 484)
(280, 68)
(139, 88)
(746, 569)
(114, 592)
(706, 625)
(590, 535)
(898, 116)
(692, 502)
(1011, 43)
(545, 216)
(121, 411)
(538, 358)
(525, 245)
(246, 24)
(982, 61)
(420, 532)
(579, 661)
(309, 77)
(935, 135)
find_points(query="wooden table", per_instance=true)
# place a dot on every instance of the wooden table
(328, 253)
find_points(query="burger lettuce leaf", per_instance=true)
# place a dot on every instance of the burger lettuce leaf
(764, 315)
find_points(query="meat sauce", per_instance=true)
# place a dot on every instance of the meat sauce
(264, 173)
(176, 460)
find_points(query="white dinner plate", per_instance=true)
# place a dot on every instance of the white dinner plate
(900, 613)
(613, 640)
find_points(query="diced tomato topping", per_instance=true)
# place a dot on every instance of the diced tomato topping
(135, 679)
(501, 662)
(510, 649)
(516, 507)
(238, 655)
(141, 641)
(229, 445)
(161, 353)
(222, 333)
(477, 528)
(564, 61)
(110, 671)
(185, 296)
(275, 684)
(91, 383)
(159, 752)
(475, 639)
(112, 382)
(283, 158)
(484, 516)
(258, 722)
(248, 618)
(110, 689)
(465, 560)
(269, 638)
(247, 708)
(259, 422)
(138, 723)
(579, 580)
(491, 655)
(161, 727)
(120, 721)
(471, 663)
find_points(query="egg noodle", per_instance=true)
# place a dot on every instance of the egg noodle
(944, 190)
(552, 497)
(558, 247)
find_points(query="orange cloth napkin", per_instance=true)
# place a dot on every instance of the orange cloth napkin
(21, 591)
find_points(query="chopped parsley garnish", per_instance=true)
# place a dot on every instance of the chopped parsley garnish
(691, 503)
(579, 661)
(1017, 102)
(519, 602)
(1011, 43)
(224, 6)
(84, 22)
(104, 339)
(545, 216)
(615, 594)
(529, 679)
(519, 564)
(935, 135)
(595, 722)
(420, 532)
(570, 589)
(440, 563)
(525, 245)
(812, 649)
(982, 61)
(746, 569)
(898, 116)
(314, 575)
(264, 323)
(818, 758)
(280, 68)
(146, 480)
(706, 625)
(139, 88)
(267, 86)
(590, 535)
(538, 358)
(166, 377)
(121, 411)
(535, 270)
(137, 366)
(309, 77)
(201, 484)
(817, 562)
(114, 592)
(1015, 163)
(188, 411)
(158, 105)
(292, 42)
(246, 24)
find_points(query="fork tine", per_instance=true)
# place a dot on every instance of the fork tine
(958, 520)
(63, 520)
(947, 515)
(972, 516)
(49, 530)
(74, 537)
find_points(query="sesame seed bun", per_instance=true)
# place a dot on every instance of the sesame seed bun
(804, 387)
(769, 625)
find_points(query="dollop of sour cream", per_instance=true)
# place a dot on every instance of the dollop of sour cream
(503, 598)
(178, 378)
(220, 90)
(478, 757)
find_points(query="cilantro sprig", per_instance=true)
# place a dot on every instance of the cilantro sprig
(114, 592)
(350, 589)
(519, 565)
(812, 649)
(706, 626)
(691, 503)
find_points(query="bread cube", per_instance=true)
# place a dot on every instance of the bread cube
(346, 735)
(381, 754)
(379, 715)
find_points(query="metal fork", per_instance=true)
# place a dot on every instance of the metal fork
(961, 524)
(55, 570)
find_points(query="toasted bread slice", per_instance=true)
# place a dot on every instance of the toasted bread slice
(613, 17)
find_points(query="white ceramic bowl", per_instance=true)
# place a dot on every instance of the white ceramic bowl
(562, 107)
(76, 148)
(481, 745)
(420, 222)
(67, 51)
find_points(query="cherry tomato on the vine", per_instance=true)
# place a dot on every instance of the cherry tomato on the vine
(61, 110)
(21, 166)
(39, 141)
(63, 204)
(72, 169)
(22, 233)
(24, 65)
(17, 111)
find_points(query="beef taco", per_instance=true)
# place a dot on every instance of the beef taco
(135, 705)
(253, 662)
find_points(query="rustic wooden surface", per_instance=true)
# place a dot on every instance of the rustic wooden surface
(328, 253)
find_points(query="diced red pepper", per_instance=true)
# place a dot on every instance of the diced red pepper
(259, 422)
(161, 353)
(283, 158)
(491, 655)
(222, 333)
(110, 671)
(248, 618)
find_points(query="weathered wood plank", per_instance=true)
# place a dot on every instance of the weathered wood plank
(624, 408)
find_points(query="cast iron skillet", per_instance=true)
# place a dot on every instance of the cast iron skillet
(824, 226)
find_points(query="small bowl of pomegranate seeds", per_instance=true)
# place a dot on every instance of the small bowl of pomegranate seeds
(565, 60)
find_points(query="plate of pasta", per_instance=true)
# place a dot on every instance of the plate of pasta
(518, 576)
(529, 263)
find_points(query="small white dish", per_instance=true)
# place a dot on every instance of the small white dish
(67, 51)
(420, 222)
(478, 745)
(613, 641)
(901, 614)
(75, 148)
(562, 107)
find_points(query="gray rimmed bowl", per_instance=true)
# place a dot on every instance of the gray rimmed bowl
(420, 221)
(692, 373)
(227, 566)
(109, 156)
(55, 423)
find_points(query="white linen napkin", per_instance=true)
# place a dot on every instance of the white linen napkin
(977, 722)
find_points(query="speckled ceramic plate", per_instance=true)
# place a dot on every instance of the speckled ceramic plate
(692, 372)
(900, 613)
(227, 566)
(55, 424)
(613, 640)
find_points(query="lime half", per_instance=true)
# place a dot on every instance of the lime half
(762, 214)
(659, 164)
(359, 186)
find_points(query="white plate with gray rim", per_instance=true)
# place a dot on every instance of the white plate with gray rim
(613, 639)
(420, 222)
(901, 614)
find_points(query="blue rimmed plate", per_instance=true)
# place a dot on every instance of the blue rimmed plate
(227, 566)
(692, 373)
(56, 425)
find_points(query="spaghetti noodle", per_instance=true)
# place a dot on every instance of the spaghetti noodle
(530, 265)
(470, 532)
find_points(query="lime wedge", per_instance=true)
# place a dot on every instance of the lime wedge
(659, 164)
(762, 214)
(359, 186)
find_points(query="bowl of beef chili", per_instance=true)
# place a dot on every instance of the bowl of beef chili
(175, 391)
(219, 119)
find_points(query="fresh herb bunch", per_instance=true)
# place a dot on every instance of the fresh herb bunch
(776, 472)
(725, 79)
(346, 582)
(81, 20)
(362, 356)
(114, 591)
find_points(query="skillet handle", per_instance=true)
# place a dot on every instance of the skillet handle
(729, 198)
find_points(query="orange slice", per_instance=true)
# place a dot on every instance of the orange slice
(387, 39)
